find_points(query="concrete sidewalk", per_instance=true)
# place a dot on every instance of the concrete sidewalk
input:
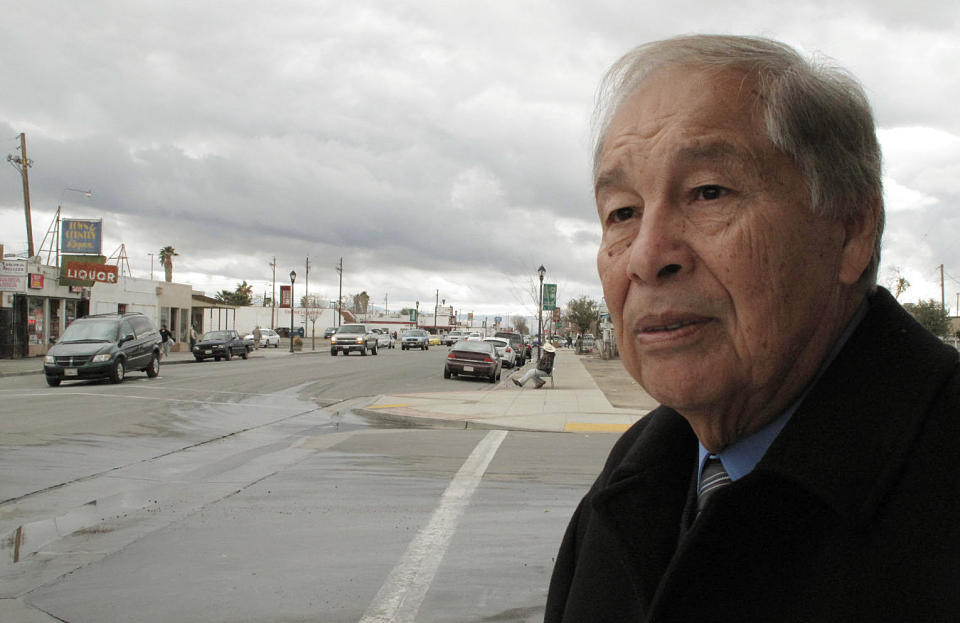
(576, 404)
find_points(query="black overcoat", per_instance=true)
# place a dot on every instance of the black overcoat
(852, 515)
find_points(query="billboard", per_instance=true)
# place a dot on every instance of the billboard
(286, 296)
(549, 296)
(81, 236)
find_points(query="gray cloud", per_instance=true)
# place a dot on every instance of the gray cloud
(432, 145)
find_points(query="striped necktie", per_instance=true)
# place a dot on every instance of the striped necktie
(712, 477)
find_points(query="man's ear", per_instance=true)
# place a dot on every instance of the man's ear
(861, 231)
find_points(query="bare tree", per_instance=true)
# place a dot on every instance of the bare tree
(897, 282)
(312, 309)
(520, 324)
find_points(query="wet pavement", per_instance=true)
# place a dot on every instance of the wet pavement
(291, 503)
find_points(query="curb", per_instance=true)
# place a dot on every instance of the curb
(414, 421)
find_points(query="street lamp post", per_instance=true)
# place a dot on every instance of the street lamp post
(293, 277)
(541, 272)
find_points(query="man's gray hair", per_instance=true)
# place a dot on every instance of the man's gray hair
(816, 114)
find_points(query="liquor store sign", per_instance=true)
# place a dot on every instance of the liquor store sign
(84, 270)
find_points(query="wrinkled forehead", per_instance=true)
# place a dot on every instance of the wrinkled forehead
(693, 98)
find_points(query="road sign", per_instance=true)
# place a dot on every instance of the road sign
(413, 315)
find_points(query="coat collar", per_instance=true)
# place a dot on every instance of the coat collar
(850, 436)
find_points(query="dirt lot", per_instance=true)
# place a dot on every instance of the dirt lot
(618, 386)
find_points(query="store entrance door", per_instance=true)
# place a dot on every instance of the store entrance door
(13, 329)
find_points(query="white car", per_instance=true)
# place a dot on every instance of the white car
(268, 337)
(502, 345)
(384, 339)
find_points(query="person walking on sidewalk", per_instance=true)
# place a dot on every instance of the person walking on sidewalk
(257, 336)
(166, 337)
(544, 368)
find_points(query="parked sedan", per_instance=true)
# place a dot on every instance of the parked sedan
(502, 345)
(220, 345)
(384, 339)
(474, 359)
(268, 337)
(328, 332)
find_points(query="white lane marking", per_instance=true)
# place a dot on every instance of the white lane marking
(399, 599)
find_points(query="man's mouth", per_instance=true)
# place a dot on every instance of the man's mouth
(669, 327)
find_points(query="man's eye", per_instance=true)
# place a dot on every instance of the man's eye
(622, 214)
(710, 192)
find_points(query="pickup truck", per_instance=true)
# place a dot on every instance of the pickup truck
(353, 337)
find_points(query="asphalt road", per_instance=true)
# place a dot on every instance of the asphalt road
(249, 491)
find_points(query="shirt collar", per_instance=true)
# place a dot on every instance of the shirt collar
(741, 457)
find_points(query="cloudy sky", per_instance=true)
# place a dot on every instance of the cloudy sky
(434, 146)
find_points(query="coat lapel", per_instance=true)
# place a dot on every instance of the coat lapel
(644, 499)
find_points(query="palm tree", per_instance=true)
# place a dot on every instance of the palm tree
(167, 254)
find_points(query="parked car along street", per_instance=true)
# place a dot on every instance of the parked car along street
(384, 339)
(104, 346)
(268, 337)
(415, 338)
(502, 345)
(221, 344)
(353, 337)
(516, 346)
(453, 337)
(328, 332)
(473, 358)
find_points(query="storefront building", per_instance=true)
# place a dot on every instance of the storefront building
(34, 308)
(165, 303)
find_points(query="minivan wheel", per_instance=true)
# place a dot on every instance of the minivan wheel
(154, 368)
(53, 381)
(119, 371)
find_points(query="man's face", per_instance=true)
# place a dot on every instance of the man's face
(725, 290)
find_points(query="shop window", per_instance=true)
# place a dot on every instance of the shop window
(35, 327)
(71, 313)
(55, 318)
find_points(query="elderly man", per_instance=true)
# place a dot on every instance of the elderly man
(801, 466)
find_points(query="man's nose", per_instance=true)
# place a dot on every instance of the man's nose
(659, 251)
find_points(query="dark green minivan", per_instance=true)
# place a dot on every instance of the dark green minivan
(104, 346)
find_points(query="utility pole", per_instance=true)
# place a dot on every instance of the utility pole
(943, 306)
(340, 295)
(151, 265)
(436, 309)
(306, 301)
(306, 291)
(21, 163)
(273, 296)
